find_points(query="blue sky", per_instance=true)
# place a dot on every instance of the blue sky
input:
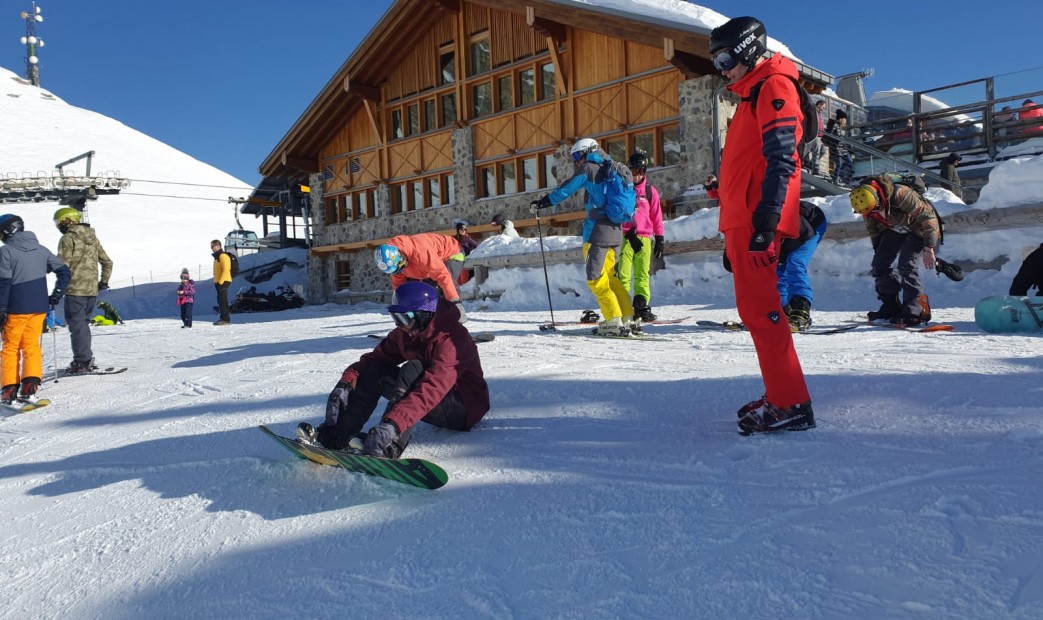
(223, 82)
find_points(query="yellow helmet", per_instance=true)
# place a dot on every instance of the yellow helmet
(66, 213)
(864, 199)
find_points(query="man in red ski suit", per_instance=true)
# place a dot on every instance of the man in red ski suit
(759, 195)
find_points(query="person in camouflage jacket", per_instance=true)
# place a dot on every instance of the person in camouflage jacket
(80, 249)
(902, 225)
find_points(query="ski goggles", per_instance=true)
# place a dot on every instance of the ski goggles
(402, 319)
(578, 155)
(725, 60)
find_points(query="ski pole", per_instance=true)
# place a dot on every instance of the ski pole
(54, 343)
(546, 279)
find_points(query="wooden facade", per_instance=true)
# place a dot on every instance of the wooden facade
(456, 109)
(523, 93)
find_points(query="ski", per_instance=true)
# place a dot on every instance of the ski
(547, 326)
(937, 327)
(20, 406)
(478, 337)
(110, 370)
(825, 331)
(593, 334)
(728, 325)
(414, 472)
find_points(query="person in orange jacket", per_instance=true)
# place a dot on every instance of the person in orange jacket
(424, 257)
(759, 193)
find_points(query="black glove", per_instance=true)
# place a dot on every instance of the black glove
(3, 318)
(634, 240)
(380, 437)
(536, 205)
(55, 297)
(949, 270)
(875, 241)
(657, 248)
(103, 286)
(727, 263)
(337, 402)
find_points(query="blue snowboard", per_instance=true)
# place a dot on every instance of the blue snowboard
(1006, 314)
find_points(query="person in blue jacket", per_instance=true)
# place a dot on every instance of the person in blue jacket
(794, 256)
(601, 238)
(24, 265)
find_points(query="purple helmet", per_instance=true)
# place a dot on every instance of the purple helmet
(414, 297)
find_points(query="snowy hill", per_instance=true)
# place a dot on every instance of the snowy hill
(164, 221)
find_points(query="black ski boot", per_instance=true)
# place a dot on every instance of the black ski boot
(642, 310)
(799, 314)
(889, 309)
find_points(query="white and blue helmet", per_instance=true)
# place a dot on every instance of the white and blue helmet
(389, 259)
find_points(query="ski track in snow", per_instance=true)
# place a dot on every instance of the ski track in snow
(607, 481)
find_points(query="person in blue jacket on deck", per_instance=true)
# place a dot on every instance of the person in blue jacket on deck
(601, 238)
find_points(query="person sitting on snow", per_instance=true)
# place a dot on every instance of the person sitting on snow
(427, 368)
(1030, 275)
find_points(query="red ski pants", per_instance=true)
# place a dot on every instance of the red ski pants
(757, 299)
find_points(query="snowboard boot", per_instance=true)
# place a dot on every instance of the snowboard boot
(925, 308)
(306, 434)
(27, 393)
(9, 394)
(612, 327)
(768, 418)
(799, 315)
(889, 309)
(589, 316)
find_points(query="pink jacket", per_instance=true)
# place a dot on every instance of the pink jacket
(648, 216)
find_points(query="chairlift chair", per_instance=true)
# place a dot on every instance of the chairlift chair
(237, 240)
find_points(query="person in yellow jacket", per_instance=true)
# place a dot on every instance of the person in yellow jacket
(222, 281)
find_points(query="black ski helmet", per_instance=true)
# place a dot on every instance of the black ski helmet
(638, 161)
(9, 225)
(744, 37)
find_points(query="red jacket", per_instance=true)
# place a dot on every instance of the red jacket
(1033, 115)
(450, 358)
(426, 255)
(760, 165)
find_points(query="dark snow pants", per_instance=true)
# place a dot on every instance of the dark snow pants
(903, 280)
(393, 383)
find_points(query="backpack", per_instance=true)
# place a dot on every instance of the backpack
(807, 109)
(233, 262)
(916, 183)
(620, 197)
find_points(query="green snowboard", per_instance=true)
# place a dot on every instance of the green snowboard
(416, 472)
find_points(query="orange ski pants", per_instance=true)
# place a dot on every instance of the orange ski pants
(21, 344)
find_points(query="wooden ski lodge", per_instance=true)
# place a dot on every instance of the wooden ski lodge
(463, 109)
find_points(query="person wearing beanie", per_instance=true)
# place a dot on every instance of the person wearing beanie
(186, 298)
(947, 170)
(840, 159)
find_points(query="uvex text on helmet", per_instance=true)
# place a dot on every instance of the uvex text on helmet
(743, 38)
